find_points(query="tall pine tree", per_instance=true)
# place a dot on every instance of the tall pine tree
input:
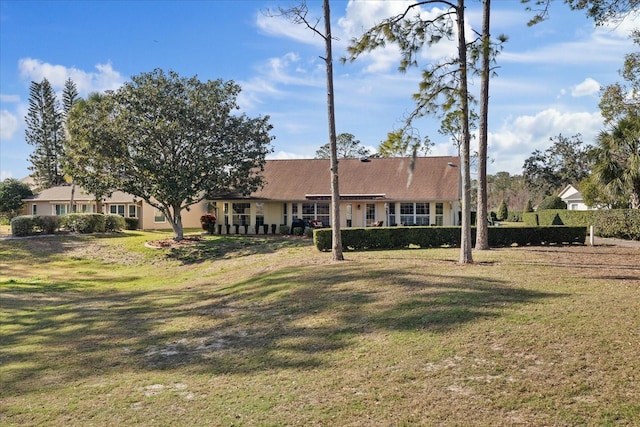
(45, 132)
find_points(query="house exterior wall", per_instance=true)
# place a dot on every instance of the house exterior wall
(151, 218)
(576, 206)
(141, 210)
(356, 213)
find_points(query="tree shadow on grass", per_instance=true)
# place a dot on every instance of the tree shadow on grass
(291, 318)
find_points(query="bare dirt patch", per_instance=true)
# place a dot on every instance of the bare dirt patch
(171, 243)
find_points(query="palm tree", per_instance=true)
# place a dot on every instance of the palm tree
(617, 160)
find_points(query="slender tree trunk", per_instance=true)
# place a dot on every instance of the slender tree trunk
(73, 191)
(465, 240)
(336, 246)
(176, 223)
(482, 229)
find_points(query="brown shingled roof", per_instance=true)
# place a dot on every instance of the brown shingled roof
(63, 193)
(434, 178)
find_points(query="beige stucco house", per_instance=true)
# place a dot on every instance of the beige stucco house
(389, 191)
(56, 201)
(372, 191)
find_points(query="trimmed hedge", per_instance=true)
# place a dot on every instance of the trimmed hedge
(84, 223)
(28, 225)
(618, 223)
(23, 225)
(132, 223)
(114, 223)
(371, 238)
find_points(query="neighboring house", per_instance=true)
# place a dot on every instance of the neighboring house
(572, 197)
(372, 192)
(56, 201)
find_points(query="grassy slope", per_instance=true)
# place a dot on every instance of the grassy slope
(235, 331)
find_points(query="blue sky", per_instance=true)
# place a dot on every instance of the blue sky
(548, 77)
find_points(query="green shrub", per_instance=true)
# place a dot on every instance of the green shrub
(503, 211)
(298, 231)
(48, 224)
(114, 222)
(515, 216)
(284, 229)
(552, 202)
(358, 239)
(528, 207)
(618, 223)
(23, 225)
(131, 223)
(84, 222)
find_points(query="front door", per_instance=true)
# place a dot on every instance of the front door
(370, 214)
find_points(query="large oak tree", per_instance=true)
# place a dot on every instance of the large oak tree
(173, 141)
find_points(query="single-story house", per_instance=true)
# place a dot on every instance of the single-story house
(372, 192)
(386, 191)
(56, 201)
(573, 198)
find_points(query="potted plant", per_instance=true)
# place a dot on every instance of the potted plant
(208, 222)
(273, 228)
(265, 228)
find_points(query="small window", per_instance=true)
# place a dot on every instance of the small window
(34, 209)
(158, 216)
(440, 214)
(61, 209)
(284, 214)
(116, 210)
(259, 213)
(132, 211)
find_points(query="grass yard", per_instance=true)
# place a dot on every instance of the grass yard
(257, 331)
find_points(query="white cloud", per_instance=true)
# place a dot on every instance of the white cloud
(361, 15)
(587, 88)
(283, 155)
(519, 137)
(622, 28)
(274, 24)
(277, 73)
(9, 125)
(9, 98)
(106, 78)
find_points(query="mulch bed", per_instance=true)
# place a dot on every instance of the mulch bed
(171, 243)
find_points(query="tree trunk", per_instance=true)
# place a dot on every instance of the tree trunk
(176, 222)
(73, 191)
(465, 240)
(482, 229)
(336, 247)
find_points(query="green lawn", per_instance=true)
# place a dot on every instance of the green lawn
(101, 330)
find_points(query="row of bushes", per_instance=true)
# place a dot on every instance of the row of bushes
(356, 239)
(28, 225)
(618, 223)
(515, 216)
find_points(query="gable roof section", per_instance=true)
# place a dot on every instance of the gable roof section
(433, 178)
(570, 193)
(62, 193)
